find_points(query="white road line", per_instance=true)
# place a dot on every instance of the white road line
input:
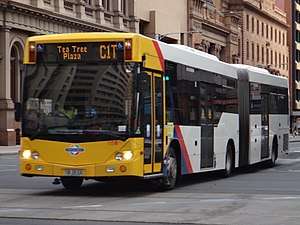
(282, 198)
(13, 210)
(11, 165)
(81, 206)
(8, 170)
(149, 203)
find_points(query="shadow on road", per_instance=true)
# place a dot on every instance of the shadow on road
(136, 188)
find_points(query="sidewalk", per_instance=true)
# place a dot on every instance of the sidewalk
(9, 150)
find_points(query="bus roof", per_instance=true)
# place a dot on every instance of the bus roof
(92, 36)
(196, 59)
(263, 76)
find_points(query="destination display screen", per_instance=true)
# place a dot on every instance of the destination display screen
(81, 52)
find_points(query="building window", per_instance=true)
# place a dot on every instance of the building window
(279, 37)
(271, 57)
(267, 31)
(275, 35)
(287, 63)
(267, 56)
(252, 23)
(279, 57)
(124, 7)
(283, 62)
(283, 38)
(257, 26)
(271, 33)
(106, 4)
(263, 54)
(248, 50)
(247, 22)
(257, 53)
(262, 29)
(252, 49)
(276, 59)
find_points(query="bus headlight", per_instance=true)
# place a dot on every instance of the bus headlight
(26, 154)
(35, 155)
(126, 155)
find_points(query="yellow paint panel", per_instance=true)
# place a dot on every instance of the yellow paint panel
(95, 159)
(147, 168)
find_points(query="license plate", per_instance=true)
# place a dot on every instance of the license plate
(73, 172)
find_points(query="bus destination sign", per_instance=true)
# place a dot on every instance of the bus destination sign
(81, 52)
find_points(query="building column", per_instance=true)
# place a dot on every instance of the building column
(7, 113)
(134, 21)
(118, 15)
(99, 13)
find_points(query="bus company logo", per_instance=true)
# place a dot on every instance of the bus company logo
(75, 149)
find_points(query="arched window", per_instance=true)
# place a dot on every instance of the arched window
(14, 58)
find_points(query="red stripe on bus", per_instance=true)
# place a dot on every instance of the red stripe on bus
(160, 56)
(184, 150)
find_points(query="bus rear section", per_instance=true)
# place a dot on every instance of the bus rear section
(264, 116)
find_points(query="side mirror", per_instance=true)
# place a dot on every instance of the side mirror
(18, 108)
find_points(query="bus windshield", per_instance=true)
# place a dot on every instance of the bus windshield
(76, 102)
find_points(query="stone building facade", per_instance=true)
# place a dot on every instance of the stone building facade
(264, 37)
(293, 9)
(22, 18)
(214, 28)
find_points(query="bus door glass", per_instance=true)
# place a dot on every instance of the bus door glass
(152, 108)
(207, 127)
(265, 126)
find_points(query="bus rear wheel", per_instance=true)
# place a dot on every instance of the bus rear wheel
(229, 162)
(71, 183)
(170, 171)
(274, 153)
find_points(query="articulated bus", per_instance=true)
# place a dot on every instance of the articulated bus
(119, 105)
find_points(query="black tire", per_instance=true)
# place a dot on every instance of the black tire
(274, 153)
(169, 180)
(229, 162)
(71, 183)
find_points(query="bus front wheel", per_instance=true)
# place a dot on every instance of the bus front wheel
(170, 171)
(71, 183)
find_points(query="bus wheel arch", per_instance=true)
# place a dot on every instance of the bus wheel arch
(229, 158)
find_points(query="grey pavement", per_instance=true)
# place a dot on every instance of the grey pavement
(263, 196)
(9, 150)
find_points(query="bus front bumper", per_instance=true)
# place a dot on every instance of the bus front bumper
(126, 168)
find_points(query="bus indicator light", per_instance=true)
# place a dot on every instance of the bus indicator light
(123, 168)
(28, 167)
(128, 49)
(32, 52)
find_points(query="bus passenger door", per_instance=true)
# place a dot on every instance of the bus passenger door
(207, 128)
(152, 108)
(265, 126)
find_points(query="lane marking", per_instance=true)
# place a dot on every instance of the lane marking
(11, 165)
(81, 206)
(282, 198)
(8, 170)
(149, 203)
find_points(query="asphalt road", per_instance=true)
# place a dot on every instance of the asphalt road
(261, 196)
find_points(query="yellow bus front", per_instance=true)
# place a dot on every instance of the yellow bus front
(88, 109)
